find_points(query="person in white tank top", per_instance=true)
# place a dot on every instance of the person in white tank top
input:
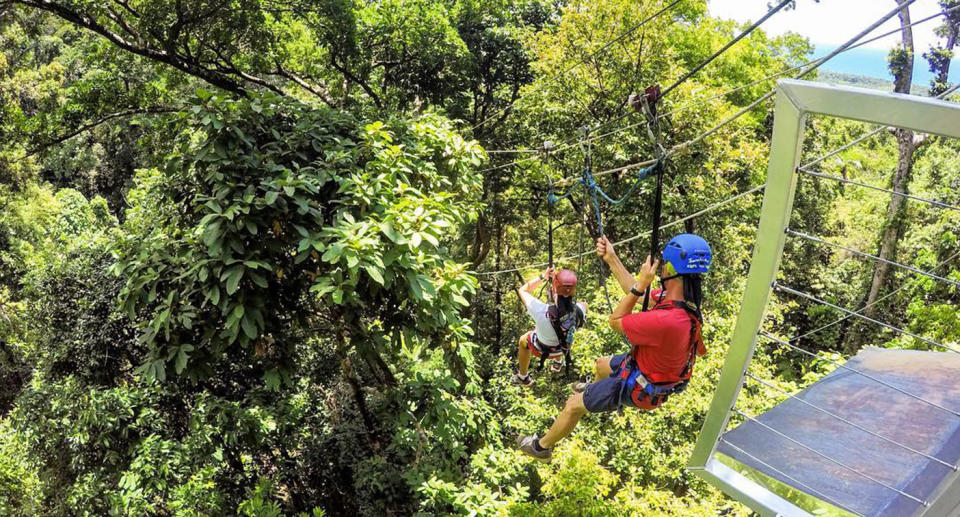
(543, 339)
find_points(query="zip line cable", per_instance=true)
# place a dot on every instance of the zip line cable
(866, 375)
(702, 100)
(640, 235)
(583, 61)
(723, 49)
(849, 45)
(848, 422)
(814, 299)
(832, 460)
(810, 490)
(874, 257)
(880, 189)
(810, 67)
(685, 145)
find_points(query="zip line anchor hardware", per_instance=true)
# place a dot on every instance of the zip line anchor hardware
(651, 94)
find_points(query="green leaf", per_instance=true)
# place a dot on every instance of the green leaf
(387, 228)
(271, 197)
(352, 260)
(182, 357)
(374, 274)
(414, 284)
(272, 379)
(333, 253)
(160, 373)
(259, 280)
(234, 274)
(211, 233)
(249, 327)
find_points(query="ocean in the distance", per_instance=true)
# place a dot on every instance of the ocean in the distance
(873, 63)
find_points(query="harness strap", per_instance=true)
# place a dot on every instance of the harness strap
(548, 351)
(659, 392)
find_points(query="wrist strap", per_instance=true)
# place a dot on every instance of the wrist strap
(635, 292)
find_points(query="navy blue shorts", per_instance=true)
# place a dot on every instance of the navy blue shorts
(605, 395)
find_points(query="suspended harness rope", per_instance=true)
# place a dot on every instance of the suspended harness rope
(677, 222)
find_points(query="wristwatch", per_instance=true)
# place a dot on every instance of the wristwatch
(635, 292)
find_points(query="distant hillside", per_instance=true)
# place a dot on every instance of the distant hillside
(862, 81)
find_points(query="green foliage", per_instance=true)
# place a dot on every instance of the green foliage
(290, 207)
(236, 252)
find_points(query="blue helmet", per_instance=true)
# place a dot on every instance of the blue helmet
(688, 254)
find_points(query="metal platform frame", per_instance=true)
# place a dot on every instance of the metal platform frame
(795, 100)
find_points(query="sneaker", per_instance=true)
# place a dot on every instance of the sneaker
(578, 387)
(525, 381)
(556, 365)
(529, 446)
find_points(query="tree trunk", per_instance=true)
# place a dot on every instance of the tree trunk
(499, 294)
(901, 64)
(939, 57)
(346, 367)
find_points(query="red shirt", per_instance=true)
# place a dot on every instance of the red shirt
(662, 339)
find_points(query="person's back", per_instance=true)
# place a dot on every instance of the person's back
(554, 324)
(662, 336)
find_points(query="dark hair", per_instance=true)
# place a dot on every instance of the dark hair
(693, 292)
(565, 305)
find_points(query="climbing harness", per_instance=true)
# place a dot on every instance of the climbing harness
(565, 327)
(637, 384)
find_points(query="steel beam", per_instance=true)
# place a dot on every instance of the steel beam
(795, 100)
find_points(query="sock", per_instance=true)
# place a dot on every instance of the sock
(524, 377)
(536, 445)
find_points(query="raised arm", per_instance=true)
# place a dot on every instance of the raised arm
(605, 250)
(532, 285)
(634, 293)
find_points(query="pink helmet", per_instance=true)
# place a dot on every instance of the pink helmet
(565, 282)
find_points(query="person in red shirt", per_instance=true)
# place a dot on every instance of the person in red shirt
(665, 340)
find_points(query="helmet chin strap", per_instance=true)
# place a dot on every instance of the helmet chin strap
(663, 281)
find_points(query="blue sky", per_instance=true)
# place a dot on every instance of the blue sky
(831, 22)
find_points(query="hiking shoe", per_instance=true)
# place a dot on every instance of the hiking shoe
(529, 446)
(578, 387)
(526, 381)
(556, 365)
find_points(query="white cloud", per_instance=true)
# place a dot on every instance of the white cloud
(832, 22)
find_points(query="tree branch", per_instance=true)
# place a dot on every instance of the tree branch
(281, 72)
(349, 75)
(87, 22)
(106, 118)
